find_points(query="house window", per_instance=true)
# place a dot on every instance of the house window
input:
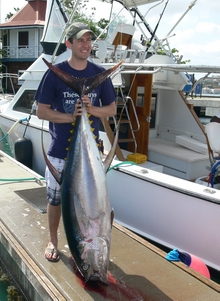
(22, 39)
(5, 39)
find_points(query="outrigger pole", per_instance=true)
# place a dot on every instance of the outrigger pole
(190, 7)
(154, 32)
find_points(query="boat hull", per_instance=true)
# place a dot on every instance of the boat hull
(33, 132)
(172, 212)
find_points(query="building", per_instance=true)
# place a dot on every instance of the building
(20, 37)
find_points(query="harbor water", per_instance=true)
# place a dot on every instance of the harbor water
(3, 291)
(6, 144)
(8, 291)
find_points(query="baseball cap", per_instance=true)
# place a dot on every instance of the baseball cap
(77, 30)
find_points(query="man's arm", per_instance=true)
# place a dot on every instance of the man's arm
(45, 112)
(103, 111)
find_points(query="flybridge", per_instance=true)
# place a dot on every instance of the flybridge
(56, 18)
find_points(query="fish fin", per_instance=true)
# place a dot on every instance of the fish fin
(57, 175)
(108, 160)
(112, 216)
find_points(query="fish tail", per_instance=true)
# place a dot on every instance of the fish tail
(74, 83)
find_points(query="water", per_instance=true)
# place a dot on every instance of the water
(7, 289)
(3, 286)
(3, 291)
(6, 144)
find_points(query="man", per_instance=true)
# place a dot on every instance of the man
(60, 105)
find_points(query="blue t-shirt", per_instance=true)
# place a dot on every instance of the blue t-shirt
(62, 98)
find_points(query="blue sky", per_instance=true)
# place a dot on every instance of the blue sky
(197, 37)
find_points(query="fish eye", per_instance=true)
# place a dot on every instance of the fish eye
(85, 266)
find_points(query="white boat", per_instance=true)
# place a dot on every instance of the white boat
(162, 199)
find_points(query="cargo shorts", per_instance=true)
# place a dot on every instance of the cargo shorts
(53, 188)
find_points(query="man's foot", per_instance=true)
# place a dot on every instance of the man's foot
(51, 253)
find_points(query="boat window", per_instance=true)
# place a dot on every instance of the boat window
(25, 102)
(140, 97)
(153, 111)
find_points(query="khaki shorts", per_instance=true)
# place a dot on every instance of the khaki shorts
(53, 188)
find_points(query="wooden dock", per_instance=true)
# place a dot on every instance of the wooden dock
(138, 270)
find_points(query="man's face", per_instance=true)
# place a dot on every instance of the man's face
(81, 48)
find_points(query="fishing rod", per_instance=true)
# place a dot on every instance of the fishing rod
(154, 32)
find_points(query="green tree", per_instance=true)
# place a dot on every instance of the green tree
(176, 55)
(86, 15)
(9, 15)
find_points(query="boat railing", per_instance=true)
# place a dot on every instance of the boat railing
(130, 55)
(129, 99)
(108, 55)
(10, 76)
(123, 104)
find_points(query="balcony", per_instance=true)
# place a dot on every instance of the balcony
(21, 52)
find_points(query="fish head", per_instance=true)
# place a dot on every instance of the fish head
(95, 259)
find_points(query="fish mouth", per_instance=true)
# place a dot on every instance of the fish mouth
(97, 277)
(94, 277)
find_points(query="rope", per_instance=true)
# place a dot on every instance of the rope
(21, 179)
(11, 129)
(122, 163)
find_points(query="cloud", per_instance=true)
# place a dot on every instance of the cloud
(208, 27)
(201, 54)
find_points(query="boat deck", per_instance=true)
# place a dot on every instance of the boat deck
(138, 270)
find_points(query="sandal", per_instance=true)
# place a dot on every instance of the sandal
(52, 251)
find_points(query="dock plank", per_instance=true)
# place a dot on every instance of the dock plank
(137, 271)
